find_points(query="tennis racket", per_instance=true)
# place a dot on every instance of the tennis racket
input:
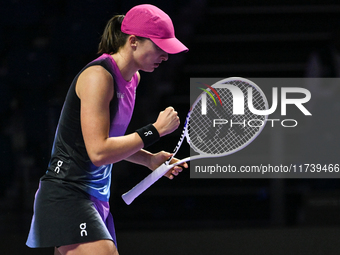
(216, 127)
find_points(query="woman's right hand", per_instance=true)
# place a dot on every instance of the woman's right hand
(167, 121)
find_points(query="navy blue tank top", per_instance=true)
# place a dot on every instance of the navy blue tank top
(69, 159)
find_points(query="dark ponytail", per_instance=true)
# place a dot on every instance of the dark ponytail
(113, 38)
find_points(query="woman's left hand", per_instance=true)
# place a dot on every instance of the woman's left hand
(162, 156)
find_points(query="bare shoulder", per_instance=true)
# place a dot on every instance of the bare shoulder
(95, 79)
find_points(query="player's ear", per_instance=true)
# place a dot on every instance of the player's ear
(133, 41)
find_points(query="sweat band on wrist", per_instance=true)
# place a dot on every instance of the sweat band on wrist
(149, 135)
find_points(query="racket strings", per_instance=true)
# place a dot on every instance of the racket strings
(231, 132)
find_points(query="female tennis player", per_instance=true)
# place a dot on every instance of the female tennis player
(71, 209)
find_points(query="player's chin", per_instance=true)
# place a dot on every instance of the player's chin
(148, 70)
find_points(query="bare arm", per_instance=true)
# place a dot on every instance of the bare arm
(153, 160)
(95, 90)
(141, 157)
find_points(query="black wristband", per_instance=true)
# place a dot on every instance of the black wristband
(149, 135)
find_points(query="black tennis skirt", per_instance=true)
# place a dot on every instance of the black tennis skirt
(64, 215)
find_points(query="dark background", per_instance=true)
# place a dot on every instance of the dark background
(44, 44)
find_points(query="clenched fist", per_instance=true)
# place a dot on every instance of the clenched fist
(167, 121)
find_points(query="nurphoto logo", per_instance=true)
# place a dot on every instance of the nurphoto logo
(243, 100)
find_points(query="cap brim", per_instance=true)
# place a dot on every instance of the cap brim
(170, 45)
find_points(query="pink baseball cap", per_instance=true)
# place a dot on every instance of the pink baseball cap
(149, 21)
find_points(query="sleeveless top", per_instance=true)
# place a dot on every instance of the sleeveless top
(69, 159)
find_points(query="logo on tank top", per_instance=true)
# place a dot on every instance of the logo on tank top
(83, 231)
(120, 95)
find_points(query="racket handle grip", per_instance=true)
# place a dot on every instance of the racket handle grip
(129, 196)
